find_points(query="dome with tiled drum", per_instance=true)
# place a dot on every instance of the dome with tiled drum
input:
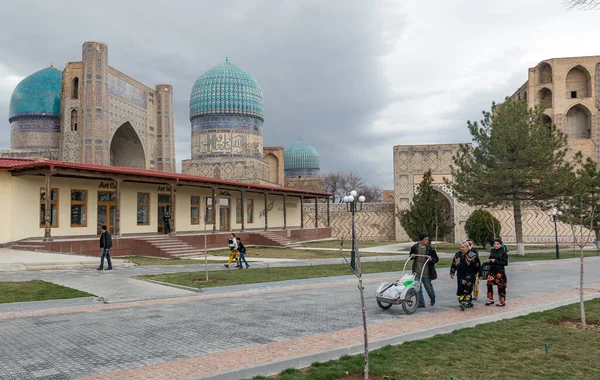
(34, 113)
(226, 90)
(301, 159)
(37, 94)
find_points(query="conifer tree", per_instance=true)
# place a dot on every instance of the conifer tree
(427, 213)
(518, 160)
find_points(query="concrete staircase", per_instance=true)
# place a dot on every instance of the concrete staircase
(279, 240)
(170, 246)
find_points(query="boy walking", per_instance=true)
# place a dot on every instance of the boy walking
(106, 245)
(242, 251)
(233, 246)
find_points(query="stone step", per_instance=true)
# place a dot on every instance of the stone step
(170, 244)
(180, 250)
(28, 247)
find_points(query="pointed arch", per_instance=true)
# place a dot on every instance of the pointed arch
(544, 73)
(545, 97)
(75, 88)
(579, 122)
(126, 148)
(216, 172)
(578, 83)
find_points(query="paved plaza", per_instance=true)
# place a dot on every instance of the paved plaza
(153, 331)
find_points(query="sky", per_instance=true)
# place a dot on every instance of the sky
(352, 78)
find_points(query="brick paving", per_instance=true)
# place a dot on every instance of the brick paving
(206, 334)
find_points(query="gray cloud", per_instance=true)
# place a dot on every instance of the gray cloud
(353, 78)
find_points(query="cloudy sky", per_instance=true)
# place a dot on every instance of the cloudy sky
(353, 78)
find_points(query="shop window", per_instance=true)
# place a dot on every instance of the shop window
(209, 211)
(195, 210)
(143, 209)
(250, 211)
(78, 208)
(53, 208)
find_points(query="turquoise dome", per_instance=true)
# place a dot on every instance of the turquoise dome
(226, 90)
(301, 159)
(37, 94)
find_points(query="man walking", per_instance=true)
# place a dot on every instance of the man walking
(420, 252)
(167, 222)
(106, 245)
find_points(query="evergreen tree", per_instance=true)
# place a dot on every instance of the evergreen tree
(482, 227)
(428, 212)
(518, 160)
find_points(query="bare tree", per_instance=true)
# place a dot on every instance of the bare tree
(581, 4)
(333, 183)
(372, 193)
(361, 289)
(353, 182)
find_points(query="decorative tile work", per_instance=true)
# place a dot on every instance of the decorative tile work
(126, 91)
(376, 221)
(226, 89)
(301, 159)
(39, 93)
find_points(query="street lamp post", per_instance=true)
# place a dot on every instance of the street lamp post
(353, 205)
(553, 213)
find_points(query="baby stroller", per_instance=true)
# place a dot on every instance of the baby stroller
(404, 291)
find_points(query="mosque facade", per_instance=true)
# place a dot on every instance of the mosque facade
(92, 113)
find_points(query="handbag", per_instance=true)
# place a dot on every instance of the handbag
(485, 270)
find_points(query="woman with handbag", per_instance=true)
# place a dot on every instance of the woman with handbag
(465, 266)
(497, 276)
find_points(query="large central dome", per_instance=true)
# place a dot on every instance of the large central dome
(226, 90)
(38, 94)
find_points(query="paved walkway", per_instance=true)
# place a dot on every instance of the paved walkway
(237, 332)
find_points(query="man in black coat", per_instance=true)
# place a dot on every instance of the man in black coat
(419, 253)
(167, 222)
(106, 245)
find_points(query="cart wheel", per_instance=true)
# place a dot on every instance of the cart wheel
(410, 304)
(384, 306)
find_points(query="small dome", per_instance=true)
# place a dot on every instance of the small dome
(301, 155)
(37, 94)
(226, 90)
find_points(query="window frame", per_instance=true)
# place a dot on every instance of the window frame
(142, 204)
(238, 210)
(197, 207)
(250, 210)
(208, 207)
(52, 202)
(80, 203)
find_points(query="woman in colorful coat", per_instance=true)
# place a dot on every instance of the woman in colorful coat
(497, 276)
(465, 267)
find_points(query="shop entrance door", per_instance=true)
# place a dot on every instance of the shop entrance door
(164, 205)
(224, 215)
(107, 211)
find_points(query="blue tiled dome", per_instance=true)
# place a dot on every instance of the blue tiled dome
(301, 157)
(37, 94)
(226, 90)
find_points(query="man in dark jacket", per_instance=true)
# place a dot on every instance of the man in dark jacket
(106, 245)
(419, 253)
(167, 222)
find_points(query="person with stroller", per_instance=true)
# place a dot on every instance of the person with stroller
(465, 266)
(420, 253)
(497, 276)
(479, 274)
(233, 247)
(242, 251)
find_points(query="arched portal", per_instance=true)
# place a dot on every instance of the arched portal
(545, 97)
(447, 213)
(126, 149)
(579, 122)
(273, 163)
(578, 83)
(544, 73)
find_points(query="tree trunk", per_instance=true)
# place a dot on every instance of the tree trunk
(581, 305)
(518, 227)
(597, 232)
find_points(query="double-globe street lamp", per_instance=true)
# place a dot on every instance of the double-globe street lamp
(553, 213)
(353, 205)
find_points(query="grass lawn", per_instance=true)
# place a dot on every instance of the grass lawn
(508, 349)
(256, 275)
(36, 290)
(254, 252)
(347, 244)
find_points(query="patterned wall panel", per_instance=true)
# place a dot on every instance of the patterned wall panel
(376, 221)
(126, 91)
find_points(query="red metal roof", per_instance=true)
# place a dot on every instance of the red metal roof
(11, 164)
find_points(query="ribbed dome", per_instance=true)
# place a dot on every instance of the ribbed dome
(226, 90)
(37, 94)
(301, 156)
